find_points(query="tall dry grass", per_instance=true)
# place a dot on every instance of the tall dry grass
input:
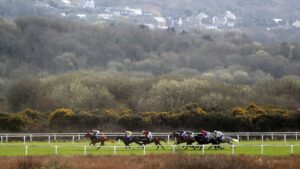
(178, 161)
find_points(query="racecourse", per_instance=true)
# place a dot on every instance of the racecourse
(67, 148)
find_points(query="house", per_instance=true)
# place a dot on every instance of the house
(81, 16)
(134, 11)
(117, 11)
(230, 19)
(104, 16)
(88, 4)
(161, 22)
(66, 2)
(180, 22)
(296, 24)
(219, 21)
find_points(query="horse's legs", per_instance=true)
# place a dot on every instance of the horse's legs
(161, 146)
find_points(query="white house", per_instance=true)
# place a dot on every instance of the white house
(230, 19)
(81, 16)
(134, 11)
(180, 22)
(105, 16)
(89, 4)
(161, 22)
(66, 2)
(296, 24)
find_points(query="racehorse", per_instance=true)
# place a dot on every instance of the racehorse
(180, 139)
(127, 141)
(95, 140)
(155, 140)
(228, 140)
(201, 140)
(212, 140)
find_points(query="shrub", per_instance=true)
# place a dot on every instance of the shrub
(62, 116)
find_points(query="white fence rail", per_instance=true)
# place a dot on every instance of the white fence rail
(116, 150)
(25, 137)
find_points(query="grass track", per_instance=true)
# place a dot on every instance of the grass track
(272, 148)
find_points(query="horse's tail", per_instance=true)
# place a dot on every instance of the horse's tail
(232, 139)
(235, 140)
(162, 140)
(111, 140)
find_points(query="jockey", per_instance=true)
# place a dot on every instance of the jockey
(147, 134)
(183, 134)
(190, 134)
(205, 134)
(96, 133)
(218, 135)
(128, 134)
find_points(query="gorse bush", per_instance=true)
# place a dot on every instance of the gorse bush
(191, 116)
(62, 116)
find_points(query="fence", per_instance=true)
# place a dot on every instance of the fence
(5, 137)
(143, 150)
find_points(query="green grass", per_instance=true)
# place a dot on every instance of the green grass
(271, 148)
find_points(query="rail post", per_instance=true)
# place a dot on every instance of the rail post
(272, 136)
(49, 139)
(24, 139)
(232, 149)
(168, 139)
(73, 139)
(115, 150)
(248, 137)
(84, 150)
(203, 149)
(262, 149)
(54, 137)
(56, 150)
(144, 150)
(78, 137)
(1, 139)
(262, 139)
(284, 137)
(238, 137)
(296, 136)
(292, 149)
(26, 150)
(30, 137)
(6, 138)
(173, 149)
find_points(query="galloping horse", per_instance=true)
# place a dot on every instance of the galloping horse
(212, 140)
(128, 141)
(95, 140)
(180, 139)
(155, 140)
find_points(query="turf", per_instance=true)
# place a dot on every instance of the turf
(67, 148)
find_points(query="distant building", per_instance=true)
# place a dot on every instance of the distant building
(219, 21)
(134, 11)
(88, 4)
(117, 11)
(66, 2)
(161, 22)
(230, 19)
(81, 16)
(104, 16)
(180, 22)
(296, 24)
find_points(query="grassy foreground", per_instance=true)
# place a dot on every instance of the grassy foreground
(178, 161)
(270, 148)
